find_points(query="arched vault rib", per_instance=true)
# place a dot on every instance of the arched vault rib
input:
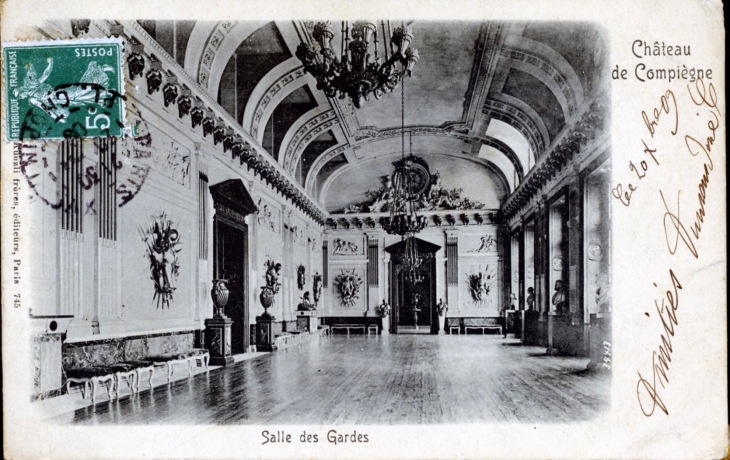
(298, 135)
(549, 67)
(530, 113)
(319, 163)
(514, 112)
(210, 50)
(281, 81)
(563, 70)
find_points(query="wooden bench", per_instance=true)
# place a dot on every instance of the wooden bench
(111, 374)
(348, 327)
(481, 323)
(189, 358)
(453, 323)
(373, 327)
(91, 376)
(139, 368)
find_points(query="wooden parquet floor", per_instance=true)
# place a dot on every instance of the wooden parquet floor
(396, 379)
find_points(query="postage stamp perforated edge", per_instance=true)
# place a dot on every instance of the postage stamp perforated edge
(120, 76)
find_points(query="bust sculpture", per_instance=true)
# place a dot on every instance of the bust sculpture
(383, 309)
(559, 297)
(530, 298)
(442, 307)
(306, 304)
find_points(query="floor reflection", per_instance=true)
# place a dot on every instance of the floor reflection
(393, 379)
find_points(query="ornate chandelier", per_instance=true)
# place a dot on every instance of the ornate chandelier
(357, 73)
(410, 180)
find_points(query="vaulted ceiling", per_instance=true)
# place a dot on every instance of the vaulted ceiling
(485, 100)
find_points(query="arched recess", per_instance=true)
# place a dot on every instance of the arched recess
(550, 68)
(542, 52)
(207, 64)
(196, 45)
(522, 116)
(270, 91)
(304, 131)
(327, 155)
(501, 183)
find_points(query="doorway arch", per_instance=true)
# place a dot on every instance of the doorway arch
(402, 290)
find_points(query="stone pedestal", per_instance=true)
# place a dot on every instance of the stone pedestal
(307, 321)
(551, 318)
(442, 325)
(265, 333)
(600, 342)
(385, 323)
(48, 335)
(218, 340)
(47, 365)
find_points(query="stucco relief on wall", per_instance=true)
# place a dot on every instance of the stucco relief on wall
(268, 216)
(347, 247)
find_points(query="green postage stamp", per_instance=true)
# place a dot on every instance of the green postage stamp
(63, 89)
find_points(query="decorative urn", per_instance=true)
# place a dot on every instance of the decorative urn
(267, 298)
(219, 294)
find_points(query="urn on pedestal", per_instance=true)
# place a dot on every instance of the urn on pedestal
(218, 328)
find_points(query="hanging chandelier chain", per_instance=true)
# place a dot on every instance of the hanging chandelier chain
(403, 119)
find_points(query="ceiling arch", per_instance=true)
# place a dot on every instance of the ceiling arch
(270, 91)
(525, 116)
(207, 59)
(306, 129)
(491, 93)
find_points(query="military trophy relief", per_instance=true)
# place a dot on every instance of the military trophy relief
(317, 287)
(163, 246)
(348, 284)
(481, 283)
(301, 276)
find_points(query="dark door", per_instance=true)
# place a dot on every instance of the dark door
(230, 264)
(415, 302)
(404, 292)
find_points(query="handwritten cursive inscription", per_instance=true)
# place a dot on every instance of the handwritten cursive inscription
(667, 106)
(647, 391)
(703, 97)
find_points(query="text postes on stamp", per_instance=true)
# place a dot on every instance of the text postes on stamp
(63, 89)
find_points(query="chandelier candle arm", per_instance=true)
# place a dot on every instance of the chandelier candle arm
(358, 73)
